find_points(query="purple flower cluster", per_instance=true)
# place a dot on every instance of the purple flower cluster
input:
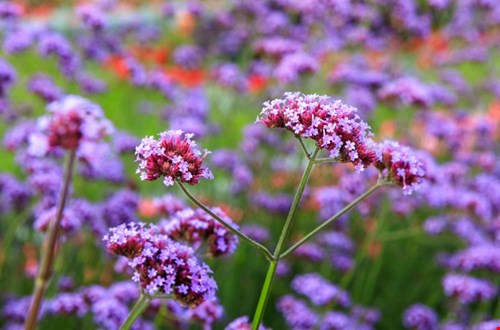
(333, 125)
(173, 156)
(72, 122)
(44, 87)
(403, 166)
(242, 323)
(196, 227)
(320, 291)
(420, 317)
(161, 265)
(468, 289)
(297, 314)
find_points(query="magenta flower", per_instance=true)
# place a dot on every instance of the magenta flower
(71, 121)
(196, 227)
(174, 156)
(334, 126)
(403, 166)
(161, 265)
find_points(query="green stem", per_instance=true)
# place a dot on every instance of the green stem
(303, 147)
(136, 311)
(266, 289)
(235, 231)
(49, 247)
(325, 160)
(333, 218)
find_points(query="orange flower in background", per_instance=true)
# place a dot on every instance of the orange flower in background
(147, 208)
(118, 65)
(185, 77)
(256, 83)
(185, 22)
(387, 129)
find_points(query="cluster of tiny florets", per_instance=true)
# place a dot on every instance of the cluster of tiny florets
(335, 126)
(196, 227)
(174, 156)
(161, 265)
(71, 121)
(403, 167)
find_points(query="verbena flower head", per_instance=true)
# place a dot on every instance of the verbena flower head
(71, 121)
(161, 265)
(334, 126)
(468, 289)
(420, 317)
(242, 323)
(196, 227)
(174, 156)
(403, 166)
(320, 291)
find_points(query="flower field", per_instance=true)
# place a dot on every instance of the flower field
(273, 164)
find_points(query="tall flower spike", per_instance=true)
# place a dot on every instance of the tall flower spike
(402, 165)
(334, 126)
(174, 156)
(71, 120)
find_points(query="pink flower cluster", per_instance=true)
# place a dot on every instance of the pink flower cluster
(161, 265)
(402, 165)
(334, 126)
(72, 121)
(196, 227)
(174, 156)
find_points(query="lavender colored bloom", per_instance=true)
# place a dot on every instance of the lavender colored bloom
(19, 40)
(293, 65)
(256, 232)
(168, 204)
(68, 304)
(242, 323)
(125, 142)
(109, 313)
(468, 289)
(54, 44)
(44, 86)
(310, 251)
(336, 321)
(90, 84)
(296, 313)
(174, 156)
(70, 222)
(493, 324)
(409, 91)
(420, 317)
(157, 80)
(334, 126)
(277, 46)
(162, 265)
(402, 165)
(320, 291)
(120, 207)
(338, 241)
(229, 75)
(14, 195)
(71, 121)
(207, 313)
(9, 10)
(196, 227)
(188, 56)
(278, 203)
(8, 77)
(91, 16)
(477, 257)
